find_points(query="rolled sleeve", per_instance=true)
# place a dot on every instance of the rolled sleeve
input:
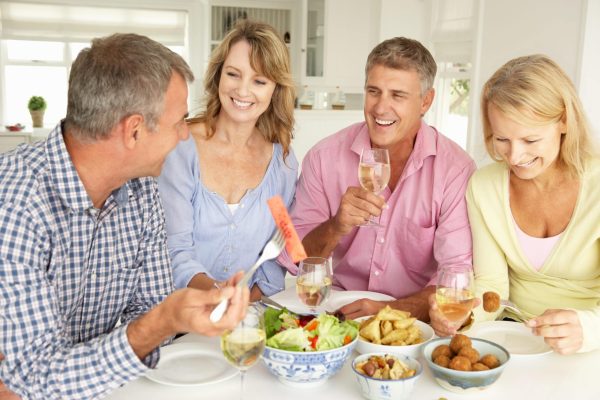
(270, 278)
(590, 323)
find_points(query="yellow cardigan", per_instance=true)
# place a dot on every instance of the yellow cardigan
(570, 276)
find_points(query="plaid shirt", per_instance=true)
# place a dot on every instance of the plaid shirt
(70, 272)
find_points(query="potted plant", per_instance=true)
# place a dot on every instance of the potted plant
(37, 106)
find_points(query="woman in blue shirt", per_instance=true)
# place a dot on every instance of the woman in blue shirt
(216, 184)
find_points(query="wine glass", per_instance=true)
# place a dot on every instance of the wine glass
(455, 292)
(374, 173)
(313, 282)
(244, 345)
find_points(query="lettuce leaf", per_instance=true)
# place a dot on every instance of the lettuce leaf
(293, 339)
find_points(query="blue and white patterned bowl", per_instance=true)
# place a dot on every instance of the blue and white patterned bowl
(304, 369)
(467, 381)
(387, 389)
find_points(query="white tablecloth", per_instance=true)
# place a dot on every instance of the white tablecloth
(549, 377)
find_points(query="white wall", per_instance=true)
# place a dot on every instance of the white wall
(351, 31)
(314, 125)
(408, 18)
(512, 28)
(589, 77)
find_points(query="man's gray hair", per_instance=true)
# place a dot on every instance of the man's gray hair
(404, 54)
(118, 76)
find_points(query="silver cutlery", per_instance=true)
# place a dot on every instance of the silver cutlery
(271, 250)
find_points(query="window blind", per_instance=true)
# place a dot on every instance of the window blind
(33, 21)
(453, 25)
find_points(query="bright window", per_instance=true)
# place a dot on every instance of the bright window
(38, 43)
(451, 104)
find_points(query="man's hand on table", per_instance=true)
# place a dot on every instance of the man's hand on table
(417, 305)
(362, 307)
(561, 330)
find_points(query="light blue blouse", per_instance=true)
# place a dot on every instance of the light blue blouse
(202, 233)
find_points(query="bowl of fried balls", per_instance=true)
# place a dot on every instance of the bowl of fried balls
(462, 364)
(385, 376)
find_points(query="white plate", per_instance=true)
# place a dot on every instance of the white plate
(337, 299)
(191, 364)
(513, 336)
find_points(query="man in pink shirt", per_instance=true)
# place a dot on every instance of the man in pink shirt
(423, 210)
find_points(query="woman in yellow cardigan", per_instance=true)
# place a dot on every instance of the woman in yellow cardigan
(535, 214)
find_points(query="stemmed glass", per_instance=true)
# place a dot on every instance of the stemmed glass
(313, 282)
(244, 345)
(374, 173)
(455, 292)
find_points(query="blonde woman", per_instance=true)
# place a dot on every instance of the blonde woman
(215, 185)
(535, 213)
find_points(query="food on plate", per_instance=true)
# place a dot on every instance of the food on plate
(293, 245)
(461, 356)
(391, 327)
(458, 342)
(15, 128)
(491, 301)
(384, 367)
(289, 331)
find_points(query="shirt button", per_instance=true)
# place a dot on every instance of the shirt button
(242, 205)
(232, 226)
(381, 240)
(226, 269)
(376, 273)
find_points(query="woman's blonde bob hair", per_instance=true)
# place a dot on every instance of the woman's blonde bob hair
(534, 91)
(268, 56)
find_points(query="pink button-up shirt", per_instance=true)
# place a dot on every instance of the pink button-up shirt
(426, 224)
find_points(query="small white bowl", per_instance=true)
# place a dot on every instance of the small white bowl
(386, 389)
(414, 350)
(467, 381)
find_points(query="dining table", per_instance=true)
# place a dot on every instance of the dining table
(537, 376)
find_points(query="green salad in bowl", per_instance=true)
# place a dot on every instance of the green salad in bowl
(288, 331)
(305, 350)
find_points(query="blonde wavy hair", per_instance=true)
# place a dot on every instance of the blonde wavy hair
(534, 91)
(269, 56)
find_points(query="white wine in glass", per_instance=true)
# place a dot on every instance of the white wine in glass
(455, 292)
(313, 282)
(244, 345)
(374, 173)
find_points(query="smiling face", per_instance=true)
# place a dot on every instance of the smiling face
(528, 151)
(244, 93)
(394, 105)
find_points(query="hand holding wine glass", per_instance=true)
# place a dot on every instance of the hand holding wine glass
(455, 293)
(374, 173)
(244, 345)
(313, 282)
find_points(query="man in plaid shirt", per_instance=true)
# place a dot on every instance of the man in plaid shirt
(82, 239)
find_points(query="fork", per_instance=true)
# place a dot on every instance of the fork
(271, 250)
(507, 304)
